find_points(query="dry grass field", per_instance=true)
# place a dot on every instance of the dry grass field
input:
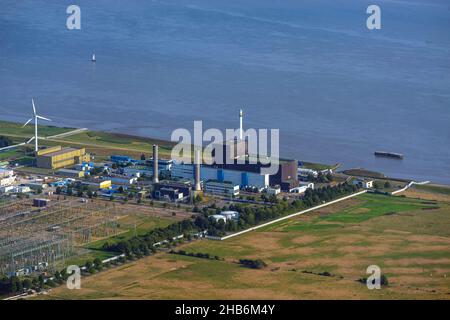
(409, 238)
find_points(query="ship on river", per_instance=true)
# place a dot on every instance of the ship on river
(388, 154)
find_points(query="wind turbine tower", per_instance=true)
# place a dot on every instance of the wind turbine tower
(35, 118)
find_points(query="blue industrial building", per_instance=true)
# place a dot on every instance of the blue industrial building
(241, 178)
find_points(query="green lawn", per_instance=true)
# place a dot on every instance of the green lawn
(318, 166)
(111, 142)
(119, 141)
(10, 154)
(374, 206)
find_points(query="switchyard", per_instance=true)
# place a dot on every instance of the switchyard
(37, 238)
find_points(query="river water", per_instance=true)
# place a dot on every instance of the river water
(336, 90)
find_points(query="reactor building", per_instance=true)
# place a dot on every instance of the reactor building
(236, 167)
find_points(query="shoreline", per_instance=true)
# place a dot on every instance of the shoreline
(96, 141)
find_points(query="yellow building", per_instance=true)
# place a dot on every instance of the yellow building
(98, 184)
(58, 157)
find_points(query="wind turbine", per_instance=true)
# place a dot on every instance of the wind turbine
(35, 118)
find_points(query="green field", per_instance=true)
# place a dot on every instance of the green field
(11, 154)
(374, 206)
(129, 145)
(101, 143)
(17, 129)
(319, 166)
(408, 238)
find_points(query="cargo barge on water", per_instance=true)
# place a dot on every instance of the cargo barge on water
(388, 154)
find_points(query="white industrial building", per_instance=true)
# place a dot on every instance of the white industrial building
(7, 177)
(305, 173)
(230, 215)
(225, 216)
(273, 190)
(6, 189)
(218, 217)
(224, 188)
(309, 185)
(366, 184)
(302, 187)
(15, 189)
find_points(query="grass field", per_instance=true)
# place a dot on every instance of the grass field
(100, 143)
(11, 154)
(408, 238)
(17, 129)
(103, 143)
(319, 166)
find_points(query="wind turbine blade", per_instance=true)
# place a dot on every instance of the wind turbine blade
(39, 117)
(34, 107)
(30, 140)
(29, 120)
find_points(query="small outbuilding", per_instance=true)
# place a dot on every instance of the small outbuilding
(364, 183)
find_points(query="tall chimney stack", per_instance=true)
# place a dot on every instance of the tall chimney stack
(197, 170)
(241, 129)
(155, 164)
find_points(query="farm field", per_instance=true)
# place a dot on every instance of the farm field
(407, 237)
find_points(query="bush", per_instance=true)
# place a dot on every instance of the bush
(51, 283)
(97, 262)
(383, 280)
(5, 141)
(253, 264)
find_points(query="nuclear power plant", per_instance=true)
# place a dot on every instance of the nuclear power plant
(235, 169)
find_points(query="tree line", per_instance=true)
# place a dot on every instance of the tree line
(5, 142)
(250, 216)
(141, 244)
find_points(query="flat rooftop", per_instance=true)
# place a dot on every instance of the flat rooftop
(57, 153)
